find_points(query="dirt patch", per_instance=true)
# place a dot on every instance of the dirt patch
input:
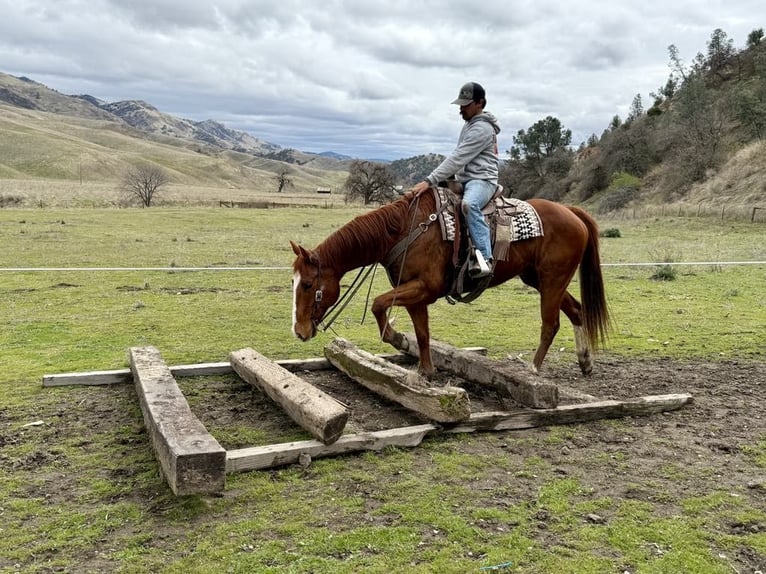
(708, 446)
(727, 397)
(715, 444)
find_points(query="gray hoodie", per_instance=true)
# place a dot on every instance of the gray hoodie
(475, 156)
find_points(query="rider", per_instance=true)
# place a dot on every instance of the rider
(474, 163)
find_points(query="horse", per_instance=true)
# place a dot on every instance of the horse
(423, 273)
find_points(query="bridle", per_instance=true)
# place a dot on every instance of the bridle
(318, 293)
(334, 311)
(399, 250)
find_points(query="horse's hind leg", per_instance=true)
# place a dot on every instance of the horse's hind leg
(550, 307)
(573, 310)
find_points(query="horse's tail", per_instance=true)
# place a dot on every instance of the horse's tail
(595, 312)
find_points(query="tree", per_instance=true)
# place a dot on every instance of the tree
(750, 106)
(754, 38)
(539, 142)
(369, 181)
(636, 109)
(699, 127)
(720, 50)
(677, 67)
(143, 182)
(282, 180)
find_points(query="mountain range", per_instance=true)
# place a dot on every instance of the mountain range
(26, 93)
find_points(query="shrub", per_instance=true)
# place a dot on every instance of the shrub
(622, 189)
(11, 200)
(665, 273)
(611, 232)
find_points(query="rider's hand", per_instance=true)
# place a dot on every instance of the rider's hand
(419, 188)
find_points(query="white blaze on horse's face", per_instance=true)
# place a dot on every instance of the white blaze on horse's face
(304, 327)
(296, 283)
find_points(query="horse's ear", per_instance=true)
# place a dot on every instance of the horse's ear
(298, 250)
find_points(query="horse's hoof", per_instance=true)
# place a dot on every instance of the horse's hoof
(426, 373)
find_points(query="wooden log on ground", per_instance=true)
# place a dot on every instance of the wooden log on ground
(569, 414)
(261, 457)
(526, 389)
(404, 386)
(314, 410)
(191, 459)
(269, 456)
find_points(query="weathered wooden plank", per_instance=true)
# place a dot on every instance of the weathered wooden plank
(526, 389)
(112, 377)
(269, 456)
(314, 410)
(406, 387)
(190, 458)
(569, 414)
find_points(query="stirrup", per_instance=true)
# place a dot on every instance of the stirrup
(480, 267)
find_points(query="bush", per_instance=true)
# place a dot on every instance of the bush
(621, 191)
(611, 232)
(665, 273)
(11, 200)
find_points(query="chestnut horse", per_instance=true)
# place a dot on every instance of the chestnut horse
(423, 274)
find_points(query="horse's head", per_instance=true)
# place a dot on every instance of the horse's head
(315, 290)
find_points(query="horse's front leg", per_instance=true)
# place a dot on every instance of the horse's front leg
(414, 297)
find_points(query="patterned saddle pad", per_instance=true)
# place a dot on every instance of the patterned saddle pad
(511, 220)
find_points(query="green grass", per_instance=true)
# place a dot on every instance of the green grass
(91, 500)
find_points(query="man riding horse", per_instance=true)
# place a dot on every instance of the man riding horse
(474, 163)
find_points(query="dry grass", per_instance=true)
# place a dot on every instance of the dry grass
(68, 158)
(71, 194)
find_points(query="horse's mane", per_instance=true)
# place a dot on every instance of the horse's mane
(369, 237)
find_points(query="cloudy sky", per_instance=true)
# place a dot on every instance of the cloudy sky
(370, 79)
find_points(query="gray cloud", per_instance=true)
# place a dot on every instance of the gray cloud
(369, 79)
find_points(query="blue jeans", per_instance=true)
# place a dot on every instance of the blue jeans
(476, 194)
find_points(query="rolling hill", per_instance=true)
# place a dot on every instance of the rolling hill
(46, 135)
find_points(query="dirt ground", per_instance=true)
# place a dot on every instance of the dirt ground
(710, 441)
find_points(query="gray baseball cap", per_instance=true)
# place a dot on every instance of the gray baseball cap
(470, 92)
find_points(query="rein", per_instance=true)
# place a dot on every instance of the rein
(415, 232)
(334, 312)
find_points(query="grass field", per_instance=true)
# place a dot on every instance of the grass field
(127, 520)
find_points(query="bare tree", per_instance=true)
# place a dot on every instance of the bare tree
(282, 180)
(369, 181)
(143, 182)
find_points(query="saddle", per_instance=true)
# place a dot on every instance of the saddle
(508, 219)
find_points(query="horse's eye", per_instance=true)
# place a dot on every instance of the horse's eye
(306, 285)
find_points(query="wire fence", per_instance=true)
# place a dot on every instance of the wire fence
(724, 212)
(193, 269)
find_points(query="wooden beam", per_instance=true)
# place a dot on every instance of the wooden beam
(190, 458)
(314, 410)
(269, 456)
(569, 414)
(525, 388)
(406, 387)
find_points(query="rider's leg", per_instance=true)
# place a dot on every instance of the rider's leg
(476, 194)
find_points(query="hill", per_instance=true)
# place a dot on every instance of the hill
(45, 135)
(701, 144)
